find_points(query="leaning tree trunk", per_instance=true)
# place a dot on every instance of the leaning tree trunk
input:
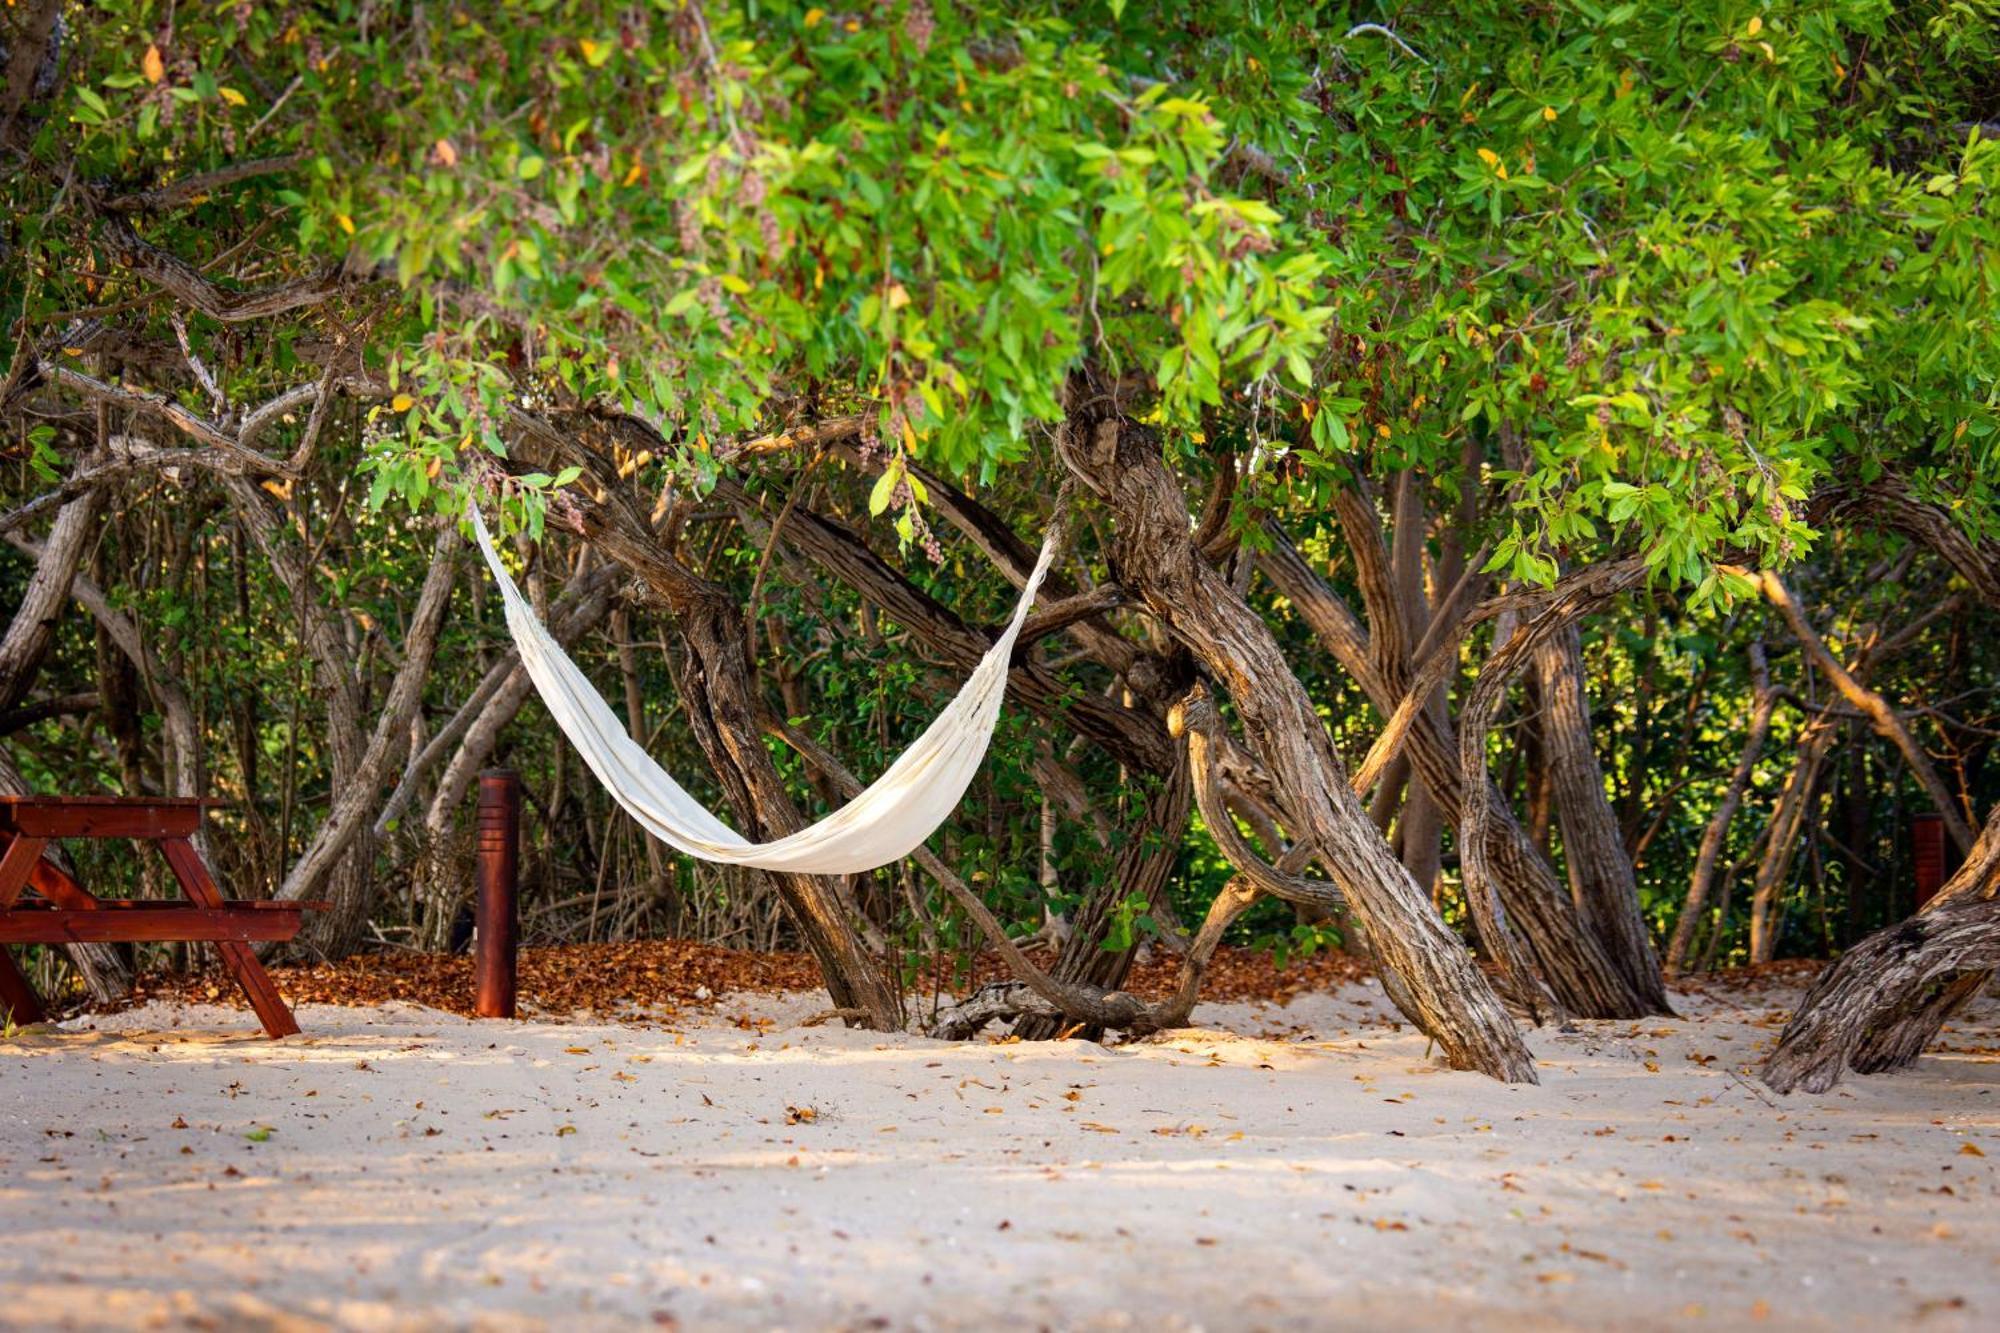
(719, 701)
(1885, 1000)
(27, 640)
(33, 627)
(1602, 884)
(1891, 976)
(1144, 864)
(1888, 723)
(1153, 552)
(346, 836)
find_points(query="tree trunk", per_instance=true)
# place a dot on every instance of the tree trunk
(27, 640)
(1153, 552)
(1143, 866)
(1910, 970)
(33, 627)
(1885, 1000)
(345, 838)
(1567, 956)
(720, 703)
(1716, 837)
(1602, 884)
(1798, 802)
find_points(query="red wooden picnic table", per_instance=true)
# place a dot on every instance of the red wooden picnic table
(63, 912)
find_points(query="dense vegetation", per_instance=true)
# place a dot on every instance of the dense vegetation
(1576, 420)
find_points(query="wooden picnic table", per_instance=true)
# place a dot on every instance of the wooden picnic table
(63, 912)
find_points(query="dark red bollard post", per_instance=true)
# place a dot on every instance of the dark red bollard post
(495, 925)
(1927, 851)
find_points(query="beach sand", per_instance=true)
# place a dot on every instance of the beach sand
(1305, 1166)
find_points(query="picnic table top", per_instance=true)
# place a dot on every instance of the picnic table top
(121, 802)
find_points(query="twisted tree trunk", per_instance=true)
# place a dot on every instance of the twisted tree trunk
(1920, 968)
(1153, 552)
(1602, 884)
(1568, 958)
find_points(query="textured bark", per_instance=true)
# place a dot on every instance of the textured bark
(1889, 976)
(1556, 611)
(1566, 956)
(1420, 828)
(22, 649)
(345, 839)
(719, 701)
(1142, 868)
(33, 627)
(1602, 883)
(1153, 553)
(1716, 836)
(1878, 1008)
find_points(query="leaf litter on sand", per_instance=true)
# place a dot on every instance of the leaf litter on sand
(660, 977)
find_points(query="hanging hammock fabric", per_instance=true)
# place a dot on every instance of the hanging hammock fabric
(881, 825)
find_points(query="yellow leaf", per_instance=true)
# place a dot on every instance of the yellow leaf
(1971, 1150)
(152, 66)
(899, 296)
(346, 222)
(402, 402)
(1756, 26)
(589, 49)
(231, 96)
(1489, 157)
(632, 176)
(445, 153)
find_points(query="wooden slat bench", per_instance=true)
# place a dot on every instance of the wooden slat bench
(63, 912)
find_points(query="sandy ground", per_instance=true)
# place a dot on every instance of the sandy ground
(1278, 1168)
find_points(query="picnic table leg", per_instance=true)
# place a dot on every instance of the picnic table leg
(17, 865)
(18, 1002)
(237, 956)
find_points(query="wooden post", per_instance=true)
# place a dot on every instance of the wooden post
(1927, 851)
(496, 928)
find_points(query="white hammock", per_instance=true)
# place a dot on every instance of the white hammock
(883, 824)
